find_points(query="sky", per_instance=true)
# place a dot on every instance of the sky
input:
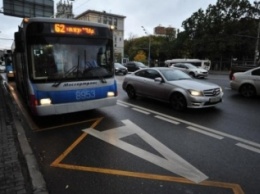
(146, 13)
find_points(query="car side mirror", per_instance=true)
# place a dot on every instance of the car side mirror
(158, 79)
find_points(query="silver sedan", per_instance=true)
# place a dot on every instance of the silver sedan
(173, 86)
(247, 83)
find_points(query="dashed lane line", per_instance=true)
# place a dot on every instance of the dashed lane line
(199, 127)
(168, 120)
(205, 133)
(248, 147)
(141, 111)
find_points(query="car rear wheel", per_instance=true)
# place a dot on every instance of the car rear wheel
(178, 102)
(247, 90)
(131, 92)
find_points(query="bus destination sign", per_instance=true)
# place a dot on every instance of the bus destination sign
(69, 29)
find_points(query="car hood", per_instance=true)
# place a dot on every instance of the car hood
(193, 84)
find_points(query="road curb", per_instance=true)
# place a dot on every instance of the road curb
(37, 180)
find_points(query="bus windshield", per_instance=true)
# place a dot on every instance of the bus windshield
(70, 58)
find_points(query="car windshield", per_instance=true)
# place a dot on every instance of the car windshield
(118, 65)
(173, 75)
(139, 64)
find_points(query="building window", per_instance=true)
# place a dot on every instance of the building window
(110, 20)
(115, 22)
(105, 19)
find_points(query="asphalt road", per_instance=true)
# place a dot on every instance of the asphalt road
(142, 146)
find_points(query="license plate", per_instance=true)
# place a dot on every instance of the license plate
(214, 99)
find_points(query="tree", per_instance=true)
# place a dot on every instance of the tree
(140, 57)
(212, 34)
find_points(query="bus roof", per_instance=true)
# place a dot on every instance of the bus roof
(185, 60)
(64, 21)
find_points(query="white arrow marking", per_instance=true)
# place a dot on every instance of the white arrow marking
(171, 161)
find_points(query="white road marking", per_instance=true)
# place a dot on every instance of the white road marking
(122, 104)
(205, 132)
(170, 160)
(168, 120)
(196, 125)
(248, 147)
(141, 111)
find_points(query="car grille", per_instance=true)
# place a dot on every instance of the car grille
(212, 92)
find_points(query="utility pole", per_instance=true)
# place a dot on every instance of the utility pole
(149, 46)
(257, 43)
(258, 36)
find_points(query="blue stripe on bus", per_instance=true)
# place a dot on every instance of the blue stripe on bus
(67, 96)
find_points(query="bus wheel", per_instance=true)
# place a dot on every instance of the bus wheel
(131, 92)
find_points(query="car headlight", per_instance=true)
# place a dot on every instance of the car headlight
(196, 93)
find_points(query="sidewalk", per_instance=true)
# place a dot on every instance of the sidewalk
(19, 172)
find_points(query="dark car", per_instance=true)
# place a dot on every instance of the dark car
(120, 69)
(134, 65)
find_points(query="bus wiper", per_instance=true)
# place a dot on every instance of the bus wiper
(56, 84)
(100, 73)
(102, 79)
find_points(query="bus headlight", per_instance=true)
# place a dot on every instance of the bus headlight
(45, 101)
(110, 94)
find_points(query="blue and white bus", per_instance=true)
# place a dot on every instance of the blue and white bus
(64, 65)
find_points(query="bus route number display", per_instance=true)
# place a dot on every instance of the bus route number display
(69, 29)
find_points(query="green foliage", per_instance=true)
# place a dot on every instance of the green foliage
(140, 57)
(225, 30)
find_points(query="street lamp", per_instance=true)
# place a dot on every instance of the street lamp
(149, 47)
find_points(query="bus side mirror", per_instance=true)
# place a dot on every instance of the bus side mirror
(18, 42)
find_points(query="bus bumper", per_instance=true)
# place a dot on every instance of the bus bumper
(56, 109)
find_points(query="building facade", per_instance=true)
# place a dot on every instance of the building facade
(110, 19)
(64, 10)
(165, 31)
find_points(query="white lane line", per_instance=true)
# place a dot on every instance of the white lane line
(141, 111)
(196, 125)
(248, 147)
(168, 120)
(205, 132)
(124, 105)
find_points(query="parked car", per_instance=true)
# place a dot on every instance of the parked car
(191, 69)
(2, 67)
(120, 69)
(134, 65)
(172, 86)
(239, 68)
(246, 83)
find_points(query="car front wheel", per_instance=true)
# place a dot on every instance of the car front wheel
(131, 92)
(178, 102)
(247, 90)
(192, 74)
